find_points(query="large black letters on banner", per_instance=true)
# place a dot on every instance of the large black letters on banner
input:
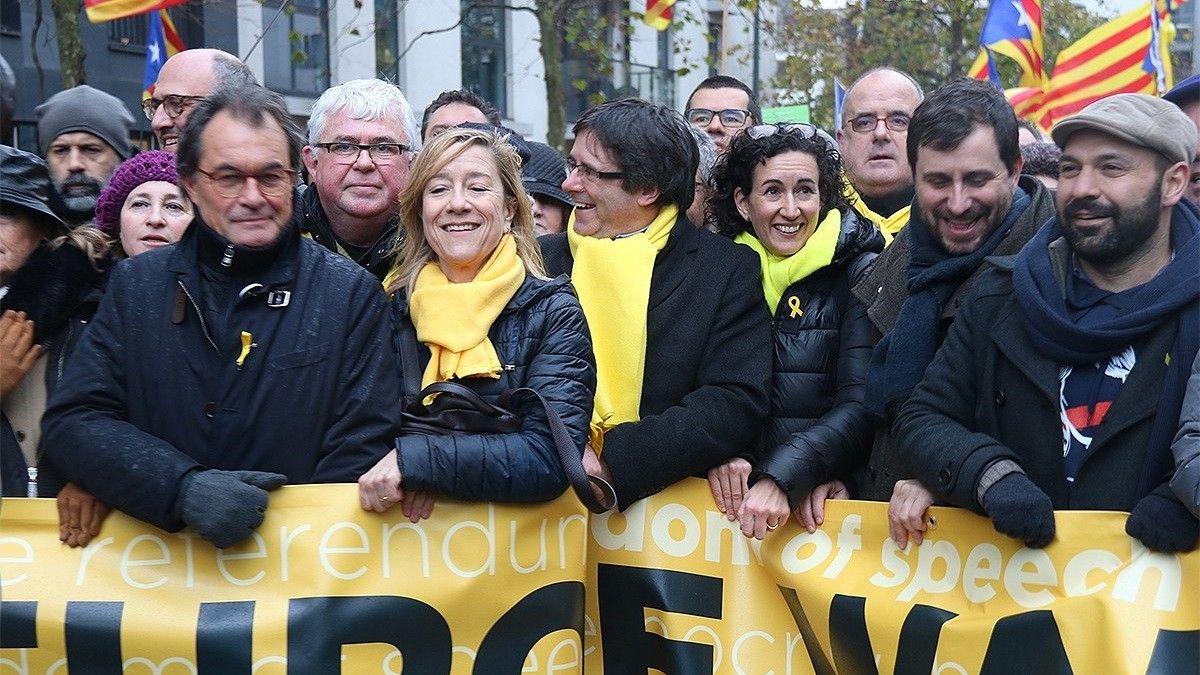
(1026, 643)
(225, 637)
(1176, 652)
(550, 608)
(94, 637)
(18, 624)
(318, 627)
(624, 593)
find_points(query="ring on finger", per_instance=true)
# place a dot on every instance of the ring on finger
(772, 526)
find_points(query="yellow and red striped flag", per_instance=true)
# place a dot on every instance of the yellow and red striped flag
(106, 10)
(162, 42)
(659, 13)
(1127, 54)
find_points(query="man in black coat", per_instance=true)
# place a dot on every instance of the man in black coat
(971, 202)
(1061, 381)
(237, 360)
(681, 332)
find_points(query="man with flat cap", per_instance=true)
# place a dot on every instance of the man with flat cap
(1061, 381)
(83, 134)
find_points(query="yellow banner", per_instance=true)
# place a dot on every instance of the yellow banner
(673, 587)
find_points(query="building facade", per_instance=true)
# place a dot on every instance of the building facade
(300, 47)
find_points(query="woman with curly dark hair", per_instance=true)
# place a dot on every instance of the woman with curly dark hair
(779, 191)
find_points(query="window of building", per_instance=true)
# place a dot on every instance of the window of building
(387, 41)
(129, 34)
(484, 45)
(10, 17)
(295, 51)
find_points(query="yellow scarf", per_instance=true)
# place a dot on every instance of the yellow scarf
(454, 319)
(890, 226)
(612, 278)
(779, 272)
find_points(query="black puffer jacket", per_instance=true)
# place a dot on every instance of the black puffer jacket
(543, 343)
(819, 428)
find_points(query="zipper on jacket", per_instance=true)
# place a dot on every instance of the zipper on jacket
(31, 488)
(227, 258)
(203, 325)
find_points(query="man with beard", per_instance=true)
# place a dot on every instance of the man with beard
(971, 202)
(84, 135)
(1061, 381)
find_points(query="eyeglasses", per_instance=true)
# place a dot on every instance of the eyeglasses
(865, 124)
(175, 104)
(347, 153)
(271, 183)
(730, 117)
(591, 174)
(805, 130)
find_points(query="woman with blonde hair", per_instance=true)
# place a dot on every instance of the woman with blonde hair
(471, 304)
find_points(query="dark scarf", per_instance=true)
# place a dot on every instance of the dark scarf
(901, 357)
(1173, 292)
(51, 286)
(891, 202)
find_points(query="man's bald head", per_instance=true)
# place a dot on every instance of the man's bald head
(191, 75)
(874, 156)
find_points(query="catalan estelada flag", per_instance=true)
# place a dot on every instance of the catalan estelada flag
(162, 42)
(983, 68)
(659, 13)
(1014, 28)
(1127, 54)
(107, 10)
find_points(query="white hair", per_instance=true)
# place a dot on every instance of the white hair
(366, 99)
(708, 152)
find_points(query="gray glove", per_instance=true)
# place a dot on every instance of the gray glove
(224, 507)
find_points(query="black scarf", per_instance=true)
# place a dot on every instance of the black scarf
(901, 357)
(1173, 292)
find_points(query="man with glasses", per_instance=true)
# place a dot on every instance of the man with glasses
(185, 80)
(722, 106)
(680, 331)
(84, 136)
(971, 202)
(875, 119)
(361, 138)
(243, 357)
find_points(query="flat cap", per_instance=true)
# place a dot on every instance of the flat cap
(1146, 121)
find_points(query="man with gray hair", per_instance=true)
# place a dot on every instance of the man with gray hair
(183, 81)
(708, 159)
(361, 138)
(271, 359)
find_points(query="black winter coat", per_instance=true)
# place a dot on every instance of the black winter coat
(819, 427)
(314, 223)
(989, 395)
(542, 340)
(152, 393)
(59, 289)
(708, 362)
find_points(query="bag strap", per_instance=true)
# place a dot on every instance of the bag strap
(410, 363)
(569, 455)
(465, 393)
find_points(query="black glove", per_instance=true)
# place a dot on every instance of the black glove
(224, 507)
(1163, 523)
(1020, 509)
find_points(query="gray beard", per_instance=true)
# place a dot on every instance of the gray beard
(80, 204)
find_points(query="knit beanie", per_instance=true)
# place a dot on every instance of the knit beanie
(84, 108)
(141, 168)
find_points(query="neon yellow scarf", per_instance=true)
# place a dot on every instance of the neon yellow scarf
(612, 278)
(890, 226)
(453, 320)
(779, 272)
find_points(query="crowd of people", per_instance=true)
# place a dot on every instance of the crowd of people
(933, 305)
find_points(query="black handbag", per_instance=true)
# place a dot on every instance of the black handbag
(456, 410)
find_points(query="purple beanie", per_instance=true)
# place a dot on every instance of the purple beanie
(141, 168)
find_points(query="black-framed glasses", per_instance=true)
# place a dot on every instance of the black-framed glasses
(866, 123)
(805, 130)
(346, 152)
(589, 173)
(174, 104)
(730, 117)
(229, 183)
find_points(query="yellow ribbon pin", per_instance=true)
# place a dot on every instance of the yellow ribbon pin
(246, 345)
(794, 305)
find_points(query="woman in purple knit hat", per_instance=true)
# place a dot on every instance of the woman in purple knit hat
(143, 207)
